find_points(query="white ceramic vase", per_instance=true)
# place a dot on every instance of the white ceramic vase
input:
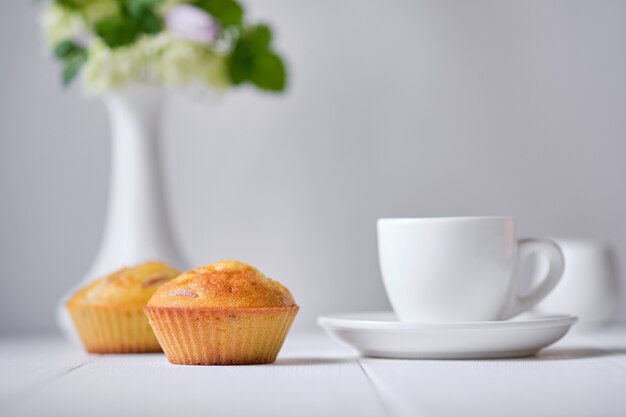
(137, 227)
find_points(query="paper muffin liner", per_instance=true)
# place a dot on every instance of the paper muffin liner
(114, 329)
(221, 336)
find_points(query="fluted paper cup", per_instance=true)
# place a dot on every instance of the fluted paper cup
(114, 329)
(221, 336)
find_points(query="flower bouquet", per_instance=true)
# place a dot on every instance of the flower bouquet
(112, 43)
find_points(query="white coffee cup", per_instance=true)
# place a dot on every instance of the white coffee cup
(460, 268)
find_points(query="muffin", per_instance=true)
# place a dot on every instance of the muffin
(227, 313)
(108, 313)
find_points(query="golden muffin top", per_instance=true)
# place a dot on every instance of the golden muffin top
(127, 287)
(224, 284)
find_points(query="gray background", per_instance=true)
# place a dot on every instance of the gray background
(396, 108)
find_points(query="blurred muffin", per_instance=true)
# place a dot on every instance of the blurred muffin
(221, 314)
(108, 313)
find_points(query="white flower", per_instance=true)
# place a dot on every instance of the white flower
(192, 23)
(183, 62)
(108, 69)
(60, 24)
(160, 59)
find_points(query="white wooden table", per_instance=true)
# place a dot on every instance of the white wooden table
(582, 375)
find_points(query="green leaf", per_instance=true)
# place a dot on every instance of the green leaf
(116, 31)
(260, 35)
(137, 7)
(241, 62)
(150, 23)
(253, 43)
(253, 61)
(269, 73)
(142, 16)
(66, 48)
(73, 56)
(73, 66)
(226, 12)
(70, 71)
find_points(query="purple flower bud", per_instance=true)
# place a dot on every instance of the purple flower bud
(83, 39)
(192, 23)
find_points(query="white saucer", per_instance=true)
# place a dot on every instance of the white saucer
(380, 334)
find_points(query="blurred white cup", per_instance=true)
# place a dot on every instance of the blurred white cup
(589, 287)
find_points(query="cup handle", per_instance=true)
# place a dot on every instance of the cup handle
(543, 247)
